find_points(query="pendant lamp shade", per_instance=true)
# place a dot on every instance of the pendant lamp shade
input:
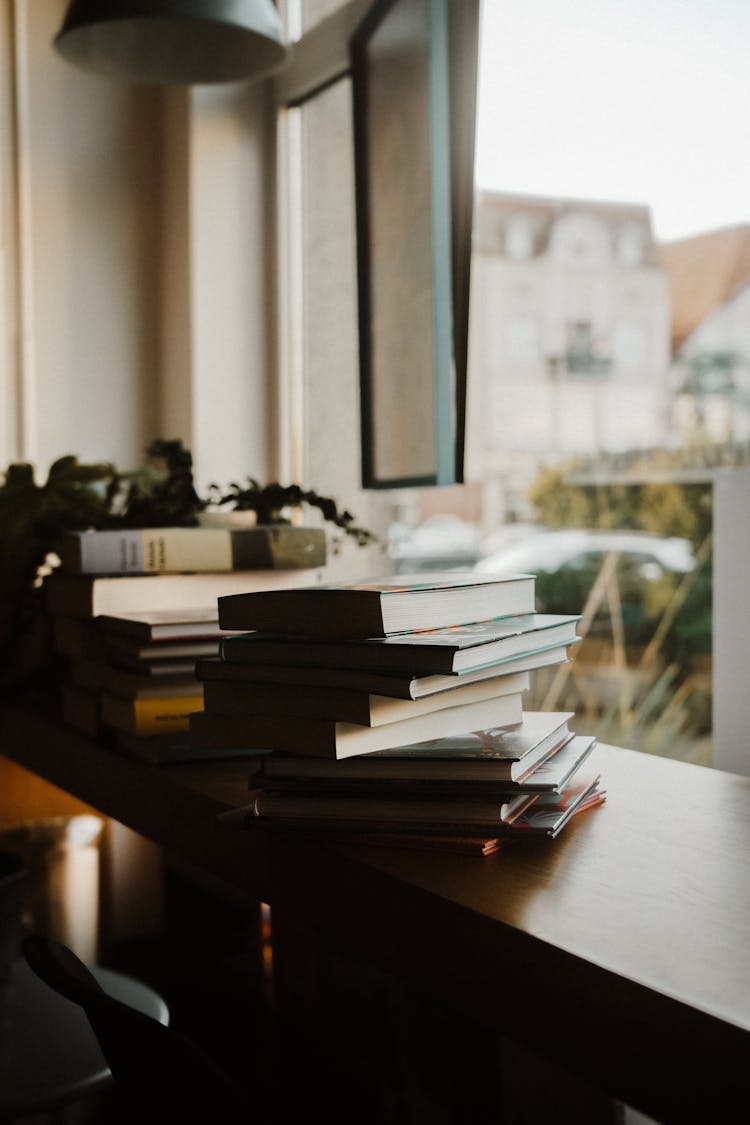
(173, 41)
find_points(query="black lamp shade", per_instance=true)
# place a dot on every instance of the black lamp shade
(169, 41)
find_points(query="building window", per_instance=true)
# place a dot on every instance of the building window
(630, 351)
(584, 354)
(522, 340)
(630, 246)
(519, 237)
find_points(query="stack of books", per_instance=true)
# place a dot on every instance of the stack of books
(130, 624)
(393, 709)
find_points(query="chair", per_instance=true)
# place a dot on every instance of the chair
(49, 1056)
(159, 1074)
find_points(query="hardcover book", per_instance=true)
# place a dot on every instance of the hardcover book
(380, 606)
(80, 709)
(89, 595)
(174, 748)
(97, 675)
(419, 840)
(163, 550)
(150, 625)
(447, 817)
(402, 813)
(413, 841)
(148, 716)
(361, 707)
(77, 638)
(400, 685)
(328, 738)
(551, 774)
(137, 657)
(380, 838)
(551, 812)
(163, 650)
(444, 651)
(486, 754)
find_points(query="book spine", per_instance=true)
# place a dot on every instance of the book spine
(151, 551)
(174, 550)
(157, 714)
(150, 716)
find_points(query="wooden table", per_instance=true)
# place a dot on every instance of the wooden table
(621, 949)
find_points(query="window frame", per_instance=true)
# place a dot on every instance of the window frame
(320, 57)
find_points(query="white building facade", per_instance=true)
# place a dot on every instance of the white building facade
(570, 337)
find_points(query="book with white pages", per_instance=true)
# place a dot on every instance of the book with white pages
(482, 755)
(450, 650)
(400, 685)
(328, 738)
(367, 708)
(551, 774)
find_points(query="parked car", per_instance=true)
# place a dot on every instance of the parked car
(550, 550)
(567, 563)
(441, 542)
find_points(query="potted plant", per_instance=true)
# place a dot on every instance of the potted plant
(76, 496)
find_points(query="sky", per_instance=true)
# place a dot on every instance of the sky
(637, 101)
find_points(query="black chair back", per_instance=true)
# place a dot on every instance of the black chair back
(157, 1071)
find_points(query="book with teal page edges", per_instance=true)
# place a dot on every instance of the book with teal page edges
(380, 606)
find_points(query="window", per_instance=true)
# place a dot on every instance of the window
(519, 237)
(318, 282)
(581, 219)
(630, 245)
(522, 340)
(629, 349)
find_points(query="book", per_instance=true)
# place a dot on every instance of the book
(452, 845)
(551, 812)
(380, 606)
(128, 654)
(89, 595)
(165, 550)
(96, 675)
(447, 817)
(164, 668)
(331, 739)
(148, 716)
(332, 832)
(149, 625)
(400, 685)
(483, 755)
(381, 838)
(80, 709)
(444, 651)
(77, 637)
(361, 707)
(174, 748)
(404, 813)
(551, 774)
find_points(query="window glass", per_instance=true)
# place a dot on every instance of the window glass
(321, 377)
(594, 135)
(601, 400)
(329, 305)
(522, 338)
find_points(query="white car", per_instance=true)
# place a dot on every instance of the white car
(651, 556)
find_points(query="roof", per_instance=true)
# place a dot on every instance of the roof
(493, 209)
(704, 272)
(551, 206)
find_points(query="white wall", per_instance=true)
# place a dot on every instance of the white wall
(87, 178)
(138, 306)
